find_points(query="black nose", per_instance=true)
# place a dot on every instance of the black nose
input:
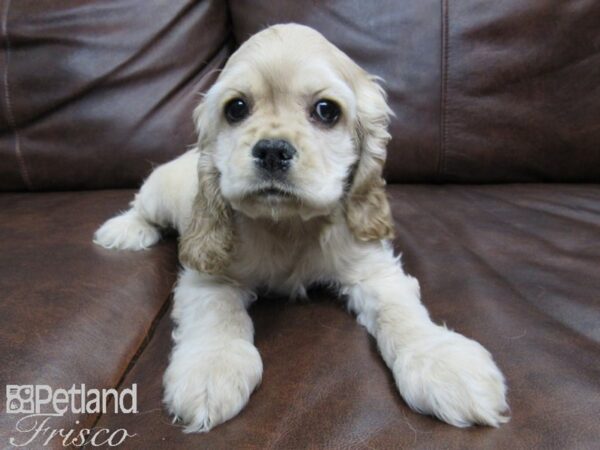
(273, 155)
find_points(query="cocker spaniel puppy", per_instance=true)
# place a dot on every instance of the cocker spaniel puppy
(284, 190)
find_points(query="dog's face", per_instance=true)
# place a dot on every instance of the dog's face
(284, 140)
(294, 128)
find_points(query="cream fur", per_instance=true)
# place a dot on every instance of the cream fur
(236, 241)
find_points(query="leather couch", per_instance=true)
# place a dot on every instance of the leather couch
(493, 178)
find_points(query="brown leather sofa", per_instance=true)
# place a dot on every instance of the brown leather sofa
(493, 178)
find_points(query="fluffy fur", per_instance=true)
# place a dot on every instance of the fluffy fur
(332, 225)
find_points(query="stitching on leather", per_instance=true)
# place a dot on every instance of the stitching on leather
(444, 88)
(9, 111)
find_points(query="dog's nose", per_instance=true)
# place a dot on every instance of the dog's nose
(273, 155)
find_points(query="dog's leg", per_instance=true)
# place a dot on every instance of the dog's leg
(165, 200)
(437, 371)
(214, 365)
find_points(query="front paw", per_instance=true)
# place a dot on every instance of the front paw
(128, 231)
(205, 387)
(453, 378)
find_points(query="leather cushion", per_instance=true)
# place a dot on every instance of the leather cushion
(514, 267)
(72, 312)
(521, 97)
(99, 92)
(483, 92)
(398, 40)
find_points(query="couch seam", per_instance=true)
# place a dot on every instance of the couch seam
(445, 47)
(141, 348)
(9, 110)
(231, 24)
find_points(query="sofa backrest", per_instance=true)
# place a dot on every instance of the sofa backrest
(96, 93)
(483, 91)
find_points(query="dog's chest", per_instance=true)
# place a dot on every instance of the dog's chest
(281, 257)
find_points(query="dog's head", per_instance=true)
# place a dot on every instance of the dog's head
(292, 128)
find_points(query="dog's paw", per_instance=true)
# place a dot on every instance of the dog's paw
(453, 378)
(210, 386)
(128, 231)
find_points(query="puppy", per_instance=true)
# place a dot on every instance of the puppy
(284, 190)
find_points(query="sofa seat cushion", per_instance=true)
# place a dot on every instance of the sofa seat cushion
(515, 267)
(70, 311)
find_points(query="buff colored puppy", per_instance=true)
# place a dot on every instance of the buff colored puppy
(284, 190)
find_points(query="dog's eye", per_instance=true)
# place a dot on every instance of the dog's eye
(236, 110)
(326, 111)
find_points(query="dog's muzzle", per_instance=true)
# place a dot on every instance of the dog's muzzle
(273, 156)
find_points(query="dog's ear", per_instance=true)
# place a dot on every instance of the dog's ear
(207, 243)
(367, 209)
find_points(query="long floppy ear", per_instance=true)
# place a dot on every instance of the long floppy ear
(207, 243)
(367, 209)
